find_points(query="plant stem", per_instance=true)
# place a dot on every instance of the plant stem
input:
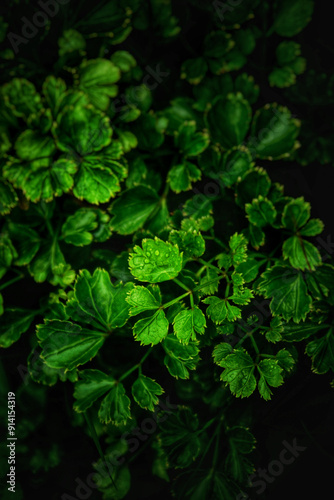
(206, 284)
(207, 264)
(248, 334)
(138, 365)
(227, 291)
(254, 344)
(10, 282)
(216, 452)
(178, 282)
(171, 302)
(97, 444)
(50, 228)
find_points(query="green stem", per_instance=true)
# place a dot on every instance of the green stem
(325, 452)
(97, 444)
(207, 264)
(50, 228)
(141, 449)
(200, 271)
(207, 425)
(206, 284)
(248, 334)
(178, 282)
(216, 452)
(10, 282)
(207, 447)
(171, 302)
(254, 344)
(137, 366)
(166, 190)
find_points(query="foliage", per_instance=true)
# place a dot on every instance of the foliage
(144, 277)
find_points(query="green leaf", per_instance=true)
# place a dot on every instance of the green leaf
(194, 70)
(220, 310)
(282, 77)
(221, 351)
(239, 373)
(31, 146)
(123, 60)
(189, 322)
(115, 407)
(241, 442)
(41, 373)
(41, 179)
(261, 211)
(54, 91)
(229, 120)
(82, 129)
(7, 254)
(270, 375)
(190, 142)
(245, 84)
(301, 253)
(273, 132)
(70, 41)
(14, 322)
(99, 302)
(38, 175)
(94, 183)
(321, 351)
(67, 345)
(235, 163)
(190, 241)
(211, 286)
(97, 78)
(77, 228)
(285, 360)
(49, 264)
(119, 486)
(254, 183)
(241, 295)
(238, 246)
(93, 385)
(274, 334)
(149, 131)
(250, 269)
(292, 17)
(287, 52)
(181, 176)
(132, 209)
(324, 276)
(295, 214)
(179, 439)
(312, 228)
(141, 299)
(8, 197)
(288, 291)
(180, 358)
(295, 333)
(21, 97)
(151, 330)
(145, 392)
(156, 261)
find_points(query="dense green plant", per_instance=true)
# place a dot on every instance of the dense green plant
(167, 253)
